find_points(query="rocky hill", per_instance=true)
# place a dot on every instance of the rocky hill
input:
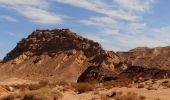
(60, 54)
(56, 54)
(158, 57)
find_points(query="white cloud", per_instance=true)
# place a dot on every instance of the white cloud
(136, 5)
(8, 18)
(162, 30)
(99, 21)
(116, 34)
(121, 26)
(102, 7)
(40, 16)
(37, 3)
(135, 27)
(36, 11)
(148, 37)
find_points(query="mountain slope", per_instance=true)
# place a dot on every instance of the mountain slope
(57, 54)
(158, 57)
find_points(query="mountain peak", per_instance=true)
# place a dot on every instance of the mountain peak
(52, 41)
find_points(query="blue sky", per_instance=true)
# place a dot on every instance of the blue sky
(118, 25)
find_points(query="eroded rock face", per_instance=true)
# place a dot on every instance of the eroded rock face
(97, 73)
(58, 54)
(135, 72)
(147, 57)
(53, 41)
(146, 62)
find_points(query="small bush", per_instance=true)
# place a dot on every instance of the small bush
(118, 83)
(43, 83)
(34, 87)
(129, 96)
(104, 97)
(158, 99)
(151, 88)
(142, 97)
(141, 86)
(41, 94)
(62, 83)
(121, 96)
(8, 97)
(165, 84)
(83, 87)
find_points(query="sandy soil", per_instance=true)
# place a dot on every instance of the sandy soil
(162, 94)
(152, 90)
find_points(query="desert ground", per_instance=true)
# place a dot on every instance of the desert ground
(19, 89)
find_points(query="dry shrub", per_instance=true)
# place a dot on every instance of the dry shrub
(141, 86)
(34, 87)
(62, 83)
(19, 86)
(42, 94)
(104, 97)
(121, 96)
(154, 81)
(129, 96)
(142, 97)
(165, 84)
(8, 97)
(96, 92)
(24, 87)
(151, 88)
(118, 83)
(158, 99)
(41, 84)
(82, 87)
(44, 83)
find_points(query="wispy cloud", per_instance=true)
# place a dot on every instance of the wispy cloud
(8, 18)
(16, 35)
(99, 21)
(36, 11)
(40, 16)
(114, 33)
(119, 24)
(136, 5)
(33, 3)
(102, 7)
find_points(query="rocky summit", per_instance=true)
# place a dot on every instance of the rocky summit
(57, 54)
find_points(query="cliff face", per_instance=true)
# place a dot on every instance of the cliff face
(57, 54)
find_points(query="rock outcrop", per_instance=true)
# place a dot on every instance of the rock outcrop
(51, 42)
(146, 62)
(136, 72)
(158, 57)
(57, 54)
